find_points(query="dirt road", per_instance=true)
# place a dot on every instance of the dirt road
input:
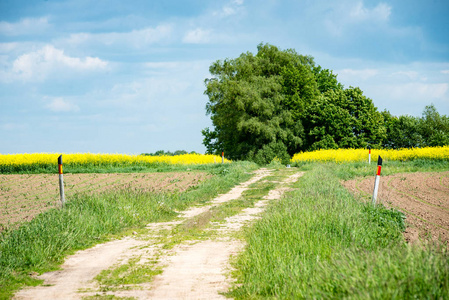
(192, 269)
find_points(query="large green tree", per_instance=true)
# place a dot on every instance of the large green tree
(278, 102)
(256, 103)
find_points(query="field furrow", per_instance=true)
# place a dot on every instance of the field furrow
(423, 197)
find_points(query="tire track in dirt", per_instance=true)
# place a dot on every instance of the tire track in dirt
(196, 270)
(78, 270)
(199, 271)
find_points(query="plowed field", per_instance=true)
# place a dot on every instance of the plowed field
(422, 197)
(22, 197)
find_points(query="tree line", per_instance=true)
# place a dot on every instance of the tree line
(277, 103)
(168, 153)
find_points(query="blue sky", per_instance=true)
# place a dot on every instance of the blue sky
(128, 76)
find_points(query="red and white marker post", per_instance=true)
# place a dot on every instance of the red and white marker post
(369, 155)
(61, 181)
(376, 182)
(222, 157)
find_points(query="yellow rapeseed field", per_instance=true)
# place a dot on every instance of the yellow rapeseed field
(104, 159)
(349, 155)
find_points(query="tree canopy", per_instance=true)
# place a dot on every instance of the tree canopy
(277, 102)
(251, 105)
(343, 119)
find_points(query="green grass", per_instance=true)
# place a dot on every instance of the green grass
(352, 170)
(107, 297)
(201, 226)
(197, 228)
(319, 242)
(141, 167)
(133, 272)
(42, 244)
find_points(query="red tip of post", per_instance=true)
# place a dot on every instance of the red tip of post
(378, 170)
(60, 164)
(379, 165)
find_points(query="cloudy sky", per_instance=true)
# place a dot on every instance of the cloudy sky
(128, 76)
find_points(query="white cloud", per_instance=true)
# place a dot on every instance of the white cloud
(8, 47)
(163, 85)
(162, 65)
(135, 38)
(417, 91)
(345, 16)
(197, 36)
(400, 88)
(229, 9)
(444, 71)
(411, 75)
(359, 12)
(13, 126)
(61, 105)
(37, 65)
(351, 74)
(27, 26)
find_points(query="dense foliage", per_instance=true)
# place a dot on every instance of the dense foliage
(407, 131)
(277, 103)
(343, 119)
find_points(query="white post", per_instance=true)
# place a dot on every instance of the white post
(61, 181)
(376, 182)
(369, 155)
(222, 157)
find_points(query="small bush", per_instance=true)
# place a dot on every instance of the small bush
(271, 151)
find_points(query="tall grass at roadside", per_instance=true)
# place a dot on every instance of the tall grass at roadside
(320, 242)
(42, 244)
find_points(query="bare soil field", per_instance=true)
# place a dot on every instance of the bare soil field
(23, 196)
(422, 197)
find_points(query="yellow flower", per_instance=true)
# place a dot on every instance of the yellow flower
(350, 155)
(80, 159)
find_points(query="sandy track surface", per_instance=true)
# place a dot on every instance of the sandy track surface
(191, 270)
(78, 270)
(423, 197)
